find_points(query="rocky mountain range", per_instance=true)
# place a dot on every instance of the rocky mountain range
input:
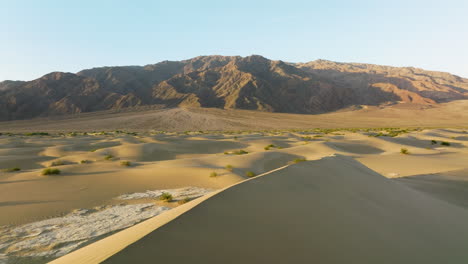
(252, 82)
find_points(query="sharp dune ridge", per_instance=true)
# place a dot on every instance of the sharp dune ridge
(228, 82)
(309, 212)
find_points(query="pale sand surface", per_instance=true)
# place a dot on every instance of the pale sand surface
(166, 161)
(453, 114)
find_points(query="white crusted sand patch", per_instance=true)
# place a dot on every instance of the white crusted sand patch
(186, 192)
(59, 236)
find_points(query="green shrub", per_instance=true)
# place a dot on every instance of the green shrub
(297, 160)
(36, 134)
(12, 169)
(250, 174)
(229, 167)
(85, 161)
(125, 163)
(183, 201)
(50, 171)
(445, 143)
(57, 163)
(240, 152)
(108, 157)
(213, 174)
(404, 151)
(166, 197)
(269, 146)
(433, 142)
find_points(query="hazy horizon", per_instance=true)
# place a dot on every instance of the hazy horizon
(47, 36)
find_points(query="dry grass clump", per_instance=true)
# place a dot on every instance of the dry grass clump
(85, 162)
(12, 169)
(50, 171)
(250, 174)
(295, 161)
(404, 151)
(185, 200)
(57, 163)
(236, 152)
(108, 157)
(166, 197)
(213, 174)
(125, 163)
(229, 167)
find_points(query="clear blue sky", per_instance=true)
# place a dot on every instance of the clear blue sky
(37, 37)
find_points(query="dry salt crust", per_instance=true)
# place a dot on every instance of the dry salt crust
(58, 236)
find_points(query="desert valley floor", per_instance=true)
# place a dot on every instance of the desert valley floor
(396, 186)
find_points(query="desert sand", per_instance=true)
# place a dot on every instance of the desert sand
(452, 114)
(356, 191)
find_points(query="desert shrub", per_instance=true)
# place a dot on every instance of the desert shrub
(226, 153)
(57, 163)
(36, 134)
(213, 174)
(269, 146)
(297, 160)
(445, 143)
(240, 152)
(125, 163)
(108, 157)
(12, 169)
(85, 161)
(433, 142)
(183, 201)
(93, 150)
(166, 197)
(250, 174)
(404, 151)
(50, 171)
(229, 167)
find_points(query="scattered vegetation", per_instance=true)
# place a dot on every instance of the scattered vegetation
(36, 134)
(250, 174)
(229, 167)
(213, 174)
(50, 171)
(85, 161)
(404, 151)
(297, 160)
(12, 169)
(236, 152)
(166, 197)
(108, 157)
(433, 142)
(445, 143)
(125, 163)
(57, 163)
(183, 201)
(269, 147)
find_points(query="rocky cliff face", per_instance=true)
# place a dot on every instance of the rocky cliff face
(252, 82)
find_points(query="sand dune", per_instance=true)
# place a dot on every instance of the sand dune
(92, 178)
(308, 212)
